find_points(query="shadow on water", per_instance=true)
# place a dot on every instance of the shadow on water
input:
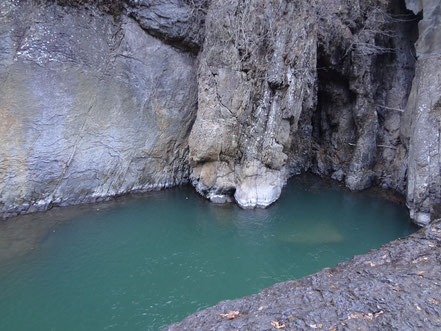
(145, 261)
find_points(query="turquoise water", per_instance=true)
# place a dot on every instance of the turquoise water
(147, 261)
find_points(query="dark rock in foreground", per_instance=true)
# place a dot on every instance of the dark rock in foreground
(397, 287)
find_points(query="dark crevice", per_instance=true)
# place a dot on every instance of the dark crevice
(339, 121)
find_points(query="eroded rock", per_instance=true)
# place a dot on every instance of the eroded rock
(259, 120)
(256, 77)
(422, 125)
(178, 22)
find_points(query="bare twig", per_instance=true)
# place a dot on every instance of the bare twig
(391, 108)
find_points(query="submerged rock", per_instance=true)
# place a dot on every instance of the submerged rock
(396, 287)
(314, 234)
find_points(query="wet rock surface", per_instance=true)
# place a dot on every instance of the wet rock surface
(396, 287)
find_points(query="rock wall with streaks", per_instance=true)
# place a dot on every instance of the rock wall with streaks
(289, 87)
(90, 107)
(422, 126)
(256, 79)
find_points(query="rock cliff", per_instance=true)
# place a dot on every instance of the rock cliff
(91, 106)
(99, 98)
(256, 78)
(289, 87)
(422, 125)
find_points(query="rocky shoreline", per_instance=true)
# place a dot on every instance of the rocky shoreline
(395, 287)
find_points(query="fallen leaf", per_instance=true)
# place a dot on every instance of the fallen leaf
(316, 326)
(436, 302)
(395, 288)
(420, 272)
(420, 259)
(378, 313)
(332, 286)
(277, 325)
(231, 314)
(333, 328)
(370, 263)
(368, 317)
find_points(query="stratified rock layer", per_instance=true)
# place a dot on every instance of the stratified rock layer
(397, 287)
(90, 107)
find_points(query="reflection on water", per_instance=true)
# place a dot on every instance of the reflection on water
(20, 235)
(143, 262)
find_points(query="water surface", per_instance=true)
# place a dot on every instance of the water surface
(143, 262)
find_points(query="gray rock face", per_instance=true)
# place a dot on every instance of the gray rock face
(93, 106)
(364, 78)
(89, 107)
(256, 78)
(178, 22)
(422, 126)
(396, 287)
(313, 86)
